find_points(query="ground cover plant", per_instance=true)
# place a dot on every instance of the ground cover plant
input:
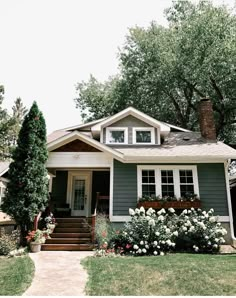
(173, 274)
(16, 275)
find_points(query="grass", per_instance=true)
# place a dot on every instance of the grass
(16, 275)
(174, 274)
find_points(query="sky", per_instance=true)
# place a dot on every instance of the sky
(48, 46)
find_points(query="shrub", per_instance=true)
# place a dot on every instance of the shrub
(103, 231)
(155, 233)
(148, 233)
(199, 231)
(8, 243)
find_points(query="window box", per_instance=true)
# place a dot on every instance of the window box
(173, 204)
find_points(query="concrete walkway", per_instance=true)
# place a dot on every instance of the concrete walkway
(58, 273)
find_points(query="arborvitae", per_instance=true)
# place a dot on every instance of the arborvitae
(27, 190)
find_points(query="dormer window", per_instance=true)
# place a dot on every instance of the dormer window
(143, 135)
(117, 135)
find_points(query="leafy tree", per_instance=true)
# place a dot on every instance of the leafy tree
(10, 126)
(27, 190)
(165, 71)
(19, 112)
(5, 124)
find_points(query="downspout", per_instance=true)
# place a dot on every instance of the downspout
(227, 163)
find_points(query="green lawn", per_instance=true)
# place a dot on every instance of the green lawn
(174, 274)
(16, 275)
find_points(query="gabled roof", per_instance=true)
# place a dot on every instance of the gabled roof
(71, 136)
(85, 125)
(165, 129)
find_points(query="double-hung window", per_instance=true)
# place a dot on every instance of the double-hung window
(148, 183)
(178, 181)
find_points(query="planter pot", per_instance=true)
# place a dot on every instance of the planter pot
(35, 247)
(173, 204)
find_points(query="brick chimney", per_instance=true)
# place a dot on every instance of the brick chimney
(206, 118)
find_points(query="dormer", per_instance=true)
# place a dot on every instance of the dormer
(130, 127)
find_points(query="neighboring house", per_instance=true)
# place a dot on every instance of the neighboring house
(5, 220)
(129, 155)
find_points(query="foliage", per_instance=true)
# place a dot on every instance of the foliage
(27, 190)
(199, 231)
(8, 243)
(148, 233)
(164, 72)
(155, 233)
(103, 231)
(16, 275)
(10, 126)
(38, 236)
(188, 198)
(178, 274)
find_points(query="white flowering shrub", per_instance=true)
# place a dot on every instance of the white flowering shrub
(199, 231)
(155, 233)
(148, 233)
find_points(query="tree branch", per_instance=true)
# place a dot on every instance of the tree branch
(217, 89)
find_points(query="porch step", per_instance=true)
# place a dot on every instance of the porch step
(72, 230)
(69, 240)
(74, 220)
(70, 235)
(66, 247)
(73, 225)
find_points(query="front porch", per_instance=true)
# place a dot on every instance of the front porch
(77, 192)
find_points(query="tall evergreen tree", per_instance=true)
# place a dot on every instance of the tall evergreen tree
(27, 191)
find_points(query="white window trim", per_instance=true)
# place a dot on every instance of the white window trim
(175, 169)
(111, 128)
(151, 129)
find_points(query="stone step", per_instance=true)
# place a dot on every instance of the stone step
(74, 220)
(66, 247)
(72, 230)
(68, 240)
(70, 235)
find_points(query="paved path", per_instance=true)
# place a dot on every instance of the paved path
(58, 273)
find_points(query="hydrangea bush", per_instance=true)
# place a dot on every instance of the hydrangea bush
(148, 233)
(157, 232)
(200, 231)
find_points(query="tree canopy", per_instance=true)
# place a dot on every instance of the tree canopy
(10, 125)
(165, 71)
(27, 190)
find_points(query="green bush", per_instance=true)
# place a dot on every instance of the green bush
(8, 243)
(154, 233)
(103, 231)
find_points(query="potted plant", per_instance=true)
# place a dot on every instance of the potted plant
(36, 238)
(50, 222)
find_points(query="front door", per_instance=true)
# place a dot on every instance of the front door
(80, 195)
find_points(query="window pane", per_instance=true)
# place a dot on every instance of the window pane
(167, 182)
(117, 136)
(186, 183)
(149, 190)
(143, 136)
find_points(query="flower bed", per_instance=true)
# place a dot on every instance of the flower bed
(171, 204)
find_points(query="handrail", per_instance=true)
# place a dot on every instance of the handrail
(36, 220)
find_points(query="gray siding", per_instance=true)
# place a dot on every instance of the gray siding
(129, 122)
(212, 188)
(59, 188)
(124, 188)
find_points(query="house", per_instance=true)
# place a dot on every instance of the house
(130, 155)
(6, 223)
